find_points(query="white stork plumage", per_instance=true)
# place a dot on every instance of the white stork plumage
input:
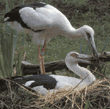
(44, 21)
(43, 83)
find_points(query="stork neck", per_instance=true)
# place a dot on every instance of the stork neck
(73, 33)
(83, 72)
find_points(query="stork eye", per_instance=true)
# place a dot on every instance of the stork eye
(74, 55)
(88, 35)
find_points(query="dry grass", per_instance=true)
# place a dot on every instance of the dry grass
(97, 95)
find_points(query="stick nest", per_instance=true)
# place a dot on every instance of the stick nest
(95, 96)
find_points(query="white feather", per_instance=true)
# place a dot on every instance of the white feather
(38, 37)
(35, 19)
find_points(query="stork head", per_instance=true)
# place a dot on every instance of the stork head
(88, 33)
(71, 58)
(74, 57)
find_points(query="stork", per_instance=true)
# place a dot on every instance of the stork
(43, 22)
(43, 83)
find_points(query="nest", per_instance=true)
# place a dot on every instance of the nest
(97, 95)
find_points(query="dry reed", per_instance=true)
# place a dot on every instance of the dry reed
(96, 95)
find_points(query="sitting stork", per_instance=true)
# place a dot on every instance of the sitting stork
(44, 82)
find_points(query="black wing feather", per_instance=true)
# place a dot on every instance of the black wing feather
(47, 81)
(14, 14)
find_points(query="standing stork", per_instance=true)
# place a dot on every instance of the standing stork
(44, 21)
(43, 83)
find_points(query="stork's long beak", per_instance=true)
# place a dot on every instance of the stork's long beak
(94, 50)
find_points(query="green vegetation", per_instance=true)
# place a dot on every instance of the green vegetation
(80, 12)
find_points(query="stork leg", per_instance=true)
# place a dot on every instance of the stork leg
(41, 58)
(43, 49)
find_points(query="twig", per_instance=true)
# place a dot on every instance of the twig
(4, 104)
(100, 74)
(55, 106)
(73, 88)
(77, 84)
(24, 87)
(105, 64)
(85, 60)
